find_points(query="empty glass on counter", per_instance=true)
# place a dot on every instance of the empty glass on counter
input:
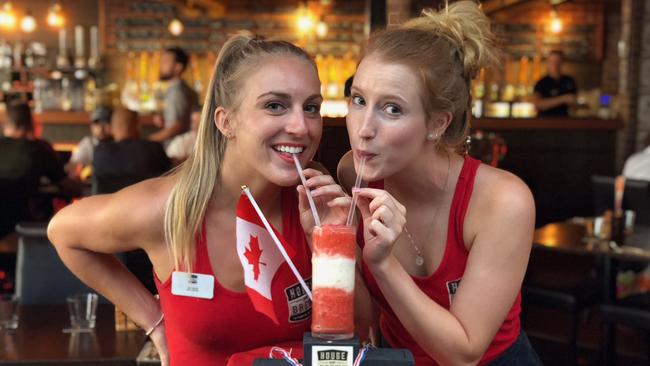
(8, 312)
(83, 310)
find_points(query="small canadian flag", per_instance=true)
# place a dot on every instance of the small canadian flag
(259, 257)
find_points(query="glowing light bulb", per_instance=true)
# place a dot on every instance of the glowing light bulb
(28, 23)
(321, 29)
(54, 17)
(556, 23)
(176, 27)
(7, 16)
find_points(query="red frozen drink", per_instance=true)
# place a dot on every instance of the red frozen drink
(333, 263)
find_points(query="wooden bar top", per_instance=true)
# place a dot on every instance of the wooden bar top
(39, 340)
(560, 123)
(537, 123)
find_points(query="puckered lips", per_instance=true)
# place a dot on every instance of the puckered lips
(360, 154)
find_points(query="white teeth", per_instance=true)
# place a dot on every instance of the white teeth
(289, 149)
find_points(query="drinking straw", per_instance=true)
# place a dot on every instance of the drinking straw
(357, 184)
(276, 241)
(304, 184)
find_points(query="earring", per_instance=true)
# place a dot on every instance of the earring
(432, 136)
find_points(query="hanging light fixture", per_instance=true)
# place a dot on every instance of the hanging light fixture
(55, 16)
(556, 23)
(28, 23)
(321, 29)
(176, 27)
(7, 16)
(304, 20)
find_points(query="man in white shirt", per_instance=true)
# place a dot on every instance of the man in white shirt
(637, 166)
(100, 129)
(182, 145)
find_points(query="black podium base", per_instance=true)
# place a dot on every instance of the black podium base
(320, 352)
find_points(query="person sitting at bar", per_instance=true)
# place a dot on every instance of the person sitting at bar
(181, 146)
(637, 166)
(555, 92)
(127, 159)
(100, 129)
(180, 99)
(263, 102)
(445, 239)
(24, 160)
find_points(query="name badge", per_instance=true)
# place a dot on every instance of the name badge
(193, 285)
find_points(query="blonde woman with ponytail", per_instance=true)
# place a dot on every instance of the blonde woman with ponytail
(263, 104)
(446, 239)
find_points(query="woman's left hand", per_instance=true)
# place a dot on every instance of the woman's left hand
(331, 201)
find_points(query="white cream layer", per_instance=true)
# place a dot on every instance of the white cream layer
(333, 271)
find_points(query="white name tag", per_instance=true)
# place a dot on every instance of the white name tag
(193, 285)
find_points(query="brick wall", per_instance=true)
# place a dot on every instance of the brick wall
(634, 93)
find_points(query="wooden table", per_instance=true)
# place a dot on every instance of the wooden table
(569, 237)
(39, 340)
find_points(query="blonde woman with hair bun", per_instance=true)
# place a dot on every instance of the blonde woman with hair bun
(263, 103)
(446, 238)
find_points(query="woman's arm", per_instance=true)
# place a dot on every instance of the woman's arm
(502, 223)
(87, 233)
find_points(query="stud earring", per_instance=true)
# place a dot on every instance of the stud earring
(432, 136)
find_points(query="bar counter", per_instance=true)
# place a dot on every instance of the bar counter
(39, 340)
(556, 157)
(538, 123)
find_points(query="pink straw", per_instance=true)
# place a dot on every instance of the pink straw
(357, 184)
(312, 205)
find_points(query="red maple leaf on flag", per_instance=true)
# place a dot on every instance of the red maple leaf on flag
(253, 254)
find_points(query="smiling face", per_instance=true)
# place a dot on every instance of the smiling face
(278, 115)
(386, 121)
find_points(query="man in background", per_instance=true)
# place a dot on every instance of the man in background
(24, 161)
(127, 159)
(555, 92)
(100, 129)
(179, 100)
(637, 166)
(182, 145)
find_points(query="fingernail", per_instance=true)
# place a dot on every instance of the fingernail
(355, 189)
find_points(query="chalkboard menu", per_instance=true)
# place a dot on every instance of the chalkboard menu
(142, 25)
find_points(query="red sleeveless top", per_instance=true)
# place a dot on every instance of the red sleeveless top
(209, 331)
(442, 284)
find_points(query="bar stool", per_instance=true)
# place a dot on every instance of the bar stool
(631, 311)
(567, 283)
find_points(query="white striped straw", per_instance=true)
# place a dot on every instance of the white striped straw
(276, 241)
(357, 184)
(304, 184)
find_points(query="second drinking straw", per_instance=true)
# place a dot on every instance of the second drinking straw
(357, 184)
(304, 184)
(276, 241)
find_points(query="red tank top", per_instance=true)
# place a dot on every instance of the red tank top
(208, 331)
(442, 284)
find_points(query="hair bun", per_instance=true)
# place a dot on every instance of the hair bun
(466, 27)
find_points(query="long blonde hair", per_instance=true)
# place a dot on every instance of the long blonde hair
(447, 48)
(197, 177)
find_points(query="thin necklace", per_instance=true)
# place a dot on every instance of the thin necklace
(419, 258)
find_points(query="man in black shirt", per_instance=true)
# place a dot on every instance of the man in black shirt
(555, 92)
(24, 160)
(127, 159)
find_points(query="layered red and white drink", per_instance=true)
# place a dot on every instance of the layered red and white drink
(333, 266)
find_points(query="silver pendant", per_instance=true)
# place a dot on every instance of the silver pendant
(419, 260)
